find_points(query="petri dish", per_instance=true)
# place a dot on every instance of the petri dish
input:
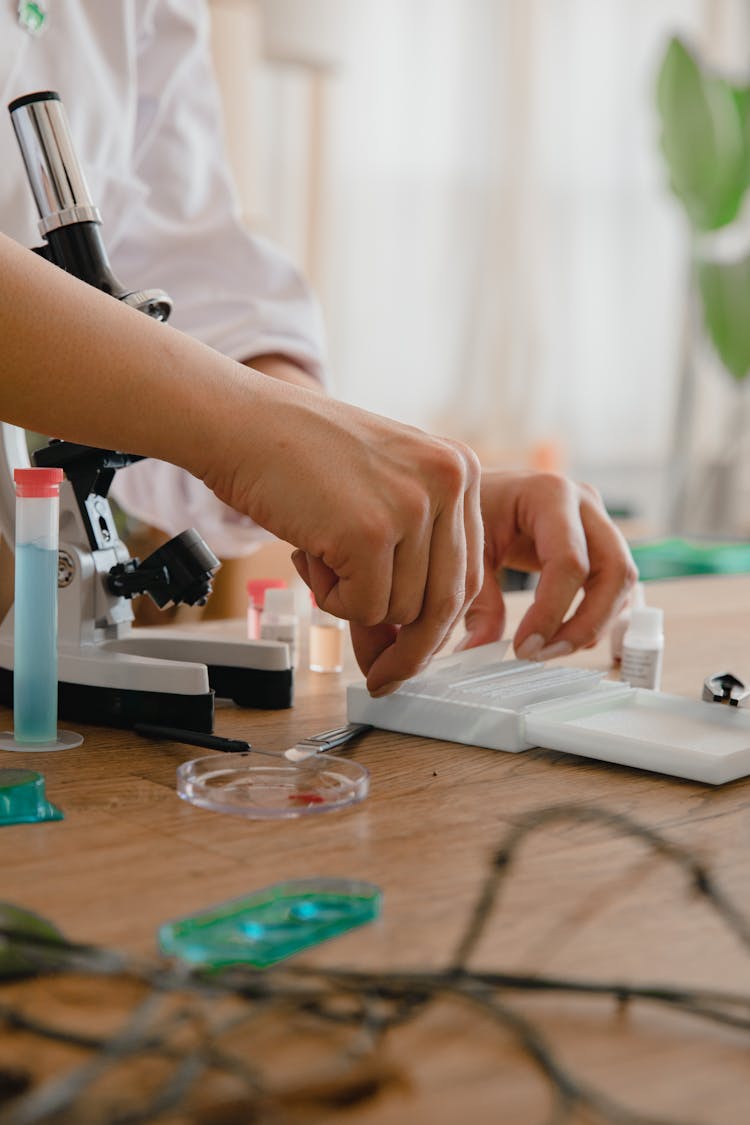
(248, 786)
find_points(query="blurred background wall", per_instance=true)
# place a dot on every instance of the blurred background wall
(476, 190)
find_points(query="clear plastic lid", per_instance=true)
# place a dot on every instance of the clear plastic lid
(247, 785)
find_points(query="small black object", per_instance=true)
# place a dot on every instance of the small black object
(193, 738)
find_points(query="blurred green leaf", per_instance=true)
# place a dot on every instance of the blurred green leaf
(725, 291)
(17, 957)
(704, 138)
(741, 96)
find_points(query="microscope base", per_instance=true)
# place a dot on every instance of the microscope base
(122, 707)
(156, 676)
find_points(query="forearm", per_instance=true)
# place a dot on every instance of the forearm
(77, 364)
(385, 517)
(279, 367)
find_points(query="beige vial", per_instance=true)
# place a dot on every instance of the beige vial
(326, 641)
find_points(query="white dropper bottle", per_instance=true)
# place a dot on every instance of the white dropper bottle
(619, 628)
(279, 621)
(643, 648)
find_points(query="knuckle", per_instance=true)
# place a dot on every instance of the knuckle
(574, 564)
(402, 612)
(369, 616)
(323, 547)
(375, 531)
(624, 572)
(631, 575)
(448, 469)
(591, 493)
(416, 507)
(473, 586)
(473, 467)
(449, 605)
(553, 483)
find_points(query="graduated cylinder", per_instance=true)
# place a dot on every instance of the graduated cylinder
(35, 607)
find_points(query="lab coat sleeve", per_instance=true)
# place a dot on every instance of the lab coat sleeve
(180, 230)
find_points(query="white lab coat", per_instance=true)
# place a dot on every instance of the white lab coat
(136, 81)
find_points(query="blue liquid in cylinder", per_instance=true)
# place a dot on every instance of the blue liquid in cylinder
(35, 645)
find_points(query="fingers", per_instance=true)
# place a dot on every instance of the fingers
(386, 517)
(362, 581)
(564, 568)
(407, 577)
(299, 559)
(485, 617)
(368, 641)
(444, 598)
(452, 582)
(578, 548)
(612, 574)
(320, 578)
(403, 593)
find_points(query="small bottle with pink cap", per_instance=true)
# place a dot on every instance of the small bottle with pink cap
(256, 597)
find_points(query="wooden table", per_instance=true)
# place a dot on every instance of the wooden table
(582, 902)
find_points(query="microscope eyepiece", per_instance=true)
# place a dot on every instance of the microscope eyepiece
(57, 181)
(69, 221)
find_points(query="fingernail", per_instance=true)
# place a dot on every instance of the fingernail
(386, 689)
(531, 647)
(562, 648)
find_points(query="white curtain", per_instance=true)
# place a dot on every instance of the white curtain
(477, 189)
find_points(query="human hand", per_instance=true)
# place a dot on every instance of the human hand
(386, 518)
(542, 522)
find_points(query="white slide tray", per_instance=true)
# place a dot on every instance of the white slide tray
(480, 699)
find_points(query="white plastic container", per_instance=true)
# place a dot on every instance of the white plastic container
(477, 698)
(643, 648)
(279, 621)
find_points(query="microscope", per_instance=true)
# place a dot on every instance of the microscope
(110, 673)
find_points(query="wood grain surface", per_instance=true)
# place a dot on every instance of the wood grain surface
(130, 855)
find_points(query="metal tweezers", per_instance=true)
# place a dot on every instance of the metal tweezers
(305, 748)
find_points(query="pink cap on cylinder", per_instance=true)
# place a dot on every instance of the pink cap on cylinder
(38, 482)
(256, 589)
